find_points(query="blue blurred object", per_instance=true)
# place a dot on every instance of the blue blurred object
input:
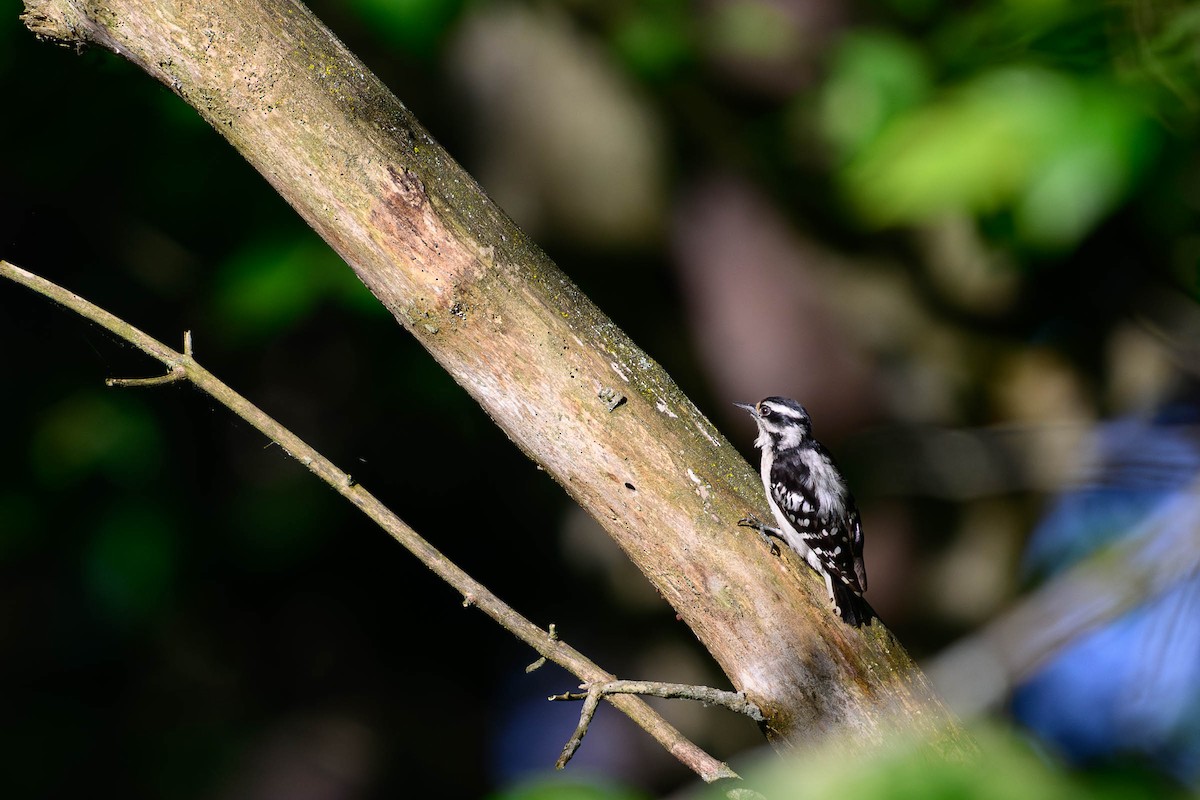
(1131, 687)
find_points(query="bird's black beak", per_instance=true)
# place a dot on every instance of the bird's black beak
(748, 407)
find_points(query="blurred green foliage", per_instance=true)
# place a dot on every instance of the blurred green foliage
(559, 788)
(1056, 154)
(655, 38)
(417, 26)
(1046, 113)
(270, 285)
(130, 563)
(1008, 768)
(87, 434)
(874, 77)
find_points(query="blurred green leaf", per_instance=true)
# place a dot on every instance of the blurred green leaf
(873, 77)
(415, 25)
(269, 286)
(130, 563)
(656, 38)
(1057, 152)
(557, 788)
(94, 432)
(1007, 768)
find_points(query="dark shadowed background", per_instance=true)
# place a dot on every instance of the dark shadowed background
(965, 238)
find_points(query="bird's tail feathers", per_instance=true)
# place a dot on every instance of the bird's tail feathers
(854, 610)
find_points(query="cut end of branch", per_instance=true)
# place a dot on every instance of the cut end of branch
(59, 22)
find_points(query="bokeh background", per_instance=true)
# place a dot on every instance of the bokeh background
(964, 235)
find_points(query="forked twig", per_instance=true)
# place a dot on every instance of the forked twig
(595, 692)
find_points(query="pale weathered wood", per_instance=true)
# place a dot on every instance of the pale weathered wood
(539, 357)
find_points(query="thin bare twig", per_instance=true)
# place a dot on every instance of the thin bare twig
(734, 701)
(595, 692)
(591, 701)
(176, 373)
(547, 644)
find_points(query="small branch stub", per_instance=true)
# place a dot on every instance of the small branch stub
(612, 399)
(175, 374)
(552, 635)
(175, 371)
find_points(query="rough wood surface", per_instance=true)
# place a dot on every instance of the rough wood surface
(539, 357)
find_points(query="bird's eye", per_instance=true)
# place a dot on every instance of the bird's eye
(764, 411)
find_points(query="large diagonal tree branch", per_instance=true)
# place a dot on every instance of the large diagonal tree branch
(539, 357)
